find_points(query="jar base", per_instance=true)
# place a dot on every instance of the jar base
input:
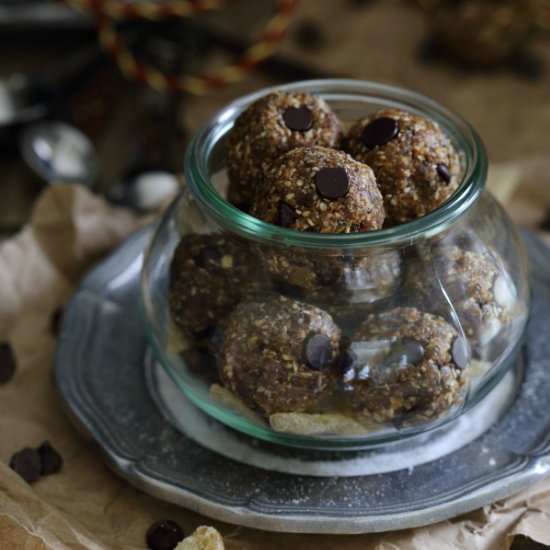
(278, 455)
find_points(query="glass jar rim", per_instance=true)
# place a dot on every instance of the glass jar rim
(231, 218)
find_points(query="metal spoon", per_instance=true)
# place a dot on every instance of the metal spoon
(59, 152)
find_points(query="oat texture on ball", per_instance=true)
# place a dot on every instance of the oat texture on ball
(406, 367)
(343, 284)
(209, 276)
(269, 127)
(413, 159)
(279, 355)
(481, 292)
(321, 190)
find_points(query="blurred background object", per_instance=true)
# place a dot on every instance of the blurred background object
(132, 81)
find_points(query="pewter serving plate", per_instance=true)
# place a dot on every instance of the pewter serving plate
(115, 393)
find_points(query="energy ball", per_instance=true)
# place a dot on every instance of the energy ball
(406, 367)
(482, 33)
(414, 161)
(271, 126)
(322, 190)
(209, 276)
(278, 355)
(480, 290)
(341, 284)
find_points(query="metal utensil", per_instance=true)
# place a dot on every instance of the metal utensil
(59, 152)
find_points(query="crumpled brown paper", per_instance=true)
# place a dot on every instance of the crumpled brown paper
(86, 506)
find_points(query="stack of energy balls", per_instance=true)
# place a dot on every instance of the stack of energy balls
(296, 330)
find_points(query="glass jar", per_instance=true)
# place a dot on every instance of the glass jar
(335, 341)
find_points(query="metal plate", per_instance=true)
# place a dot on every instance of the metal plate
(99, 373)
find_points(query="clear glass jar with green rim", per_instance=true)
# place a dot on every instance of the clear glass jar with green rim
(415, 323)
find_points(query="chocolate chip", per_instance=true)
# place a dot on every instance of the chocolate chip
(430, 51)
(379, 132)
(27, 464)
(403, 418)
(286, 214)
(309, 35)
(50, 459)
(528, 65)
(7, 363)
(202, 364)
(346, 368)
(298, 119)
(332, 183)
(164, 535)
(348, 259)
(244, 391)
(345, 362)
(205, 333)
(443, 172)
(460, 352)
(327, 276)
(405, 352)
(208, 257)
(318, 351)
(399, 418)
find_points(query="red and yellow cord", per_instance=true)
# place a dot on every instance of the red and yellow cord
(108, 12)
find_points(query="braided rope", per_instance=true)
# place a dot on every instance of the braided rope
(196, 84)
(122, 10)
(108, 12)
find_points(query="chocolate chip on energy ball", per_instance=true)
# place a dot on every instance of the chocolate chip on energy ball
(460, 352)
(164, 535)
(404, 151)
(380, 131)
(7, 362)
(286, 214)
(27, 464)
(269, 127)
(327, 275)
(51, 461)
(309, 179)
(406, 392)
(332, 183)
(318, 351)
(298, 119)
(209, 275)
(263, 358)
(443, 173)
